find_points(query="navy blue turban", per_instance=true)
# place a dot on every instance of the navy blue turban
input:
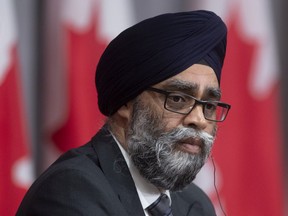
(155, 50)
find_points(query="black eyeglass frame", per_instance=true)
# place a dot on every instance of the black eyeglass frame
(197, 101)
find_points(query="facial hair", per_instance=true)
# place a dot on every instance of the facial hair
(156, 154)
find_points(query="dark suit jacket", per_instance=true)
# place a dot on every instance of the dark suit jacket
(95, 180)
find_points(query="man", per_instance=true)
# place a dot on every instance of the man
(158, 83)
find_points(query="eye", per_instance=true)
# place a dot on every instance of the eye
(175, 98)
(210, 106)
(176, 101)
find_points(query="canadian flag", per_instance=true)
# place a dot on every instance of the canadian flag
(247, 153)
(85, 27)
(15, 164)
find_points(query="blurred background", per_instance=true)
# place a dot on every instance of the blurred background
(48, 103)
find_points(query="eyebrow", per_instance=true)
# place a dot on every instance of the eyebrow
(214, 93)
(181, 85)
(192, 89)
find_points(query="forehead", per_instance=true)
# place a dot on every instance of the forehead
(201, 75)
(198, 80)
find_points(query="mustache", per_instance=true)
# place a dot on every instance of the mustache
(190, 135)
(168, 141)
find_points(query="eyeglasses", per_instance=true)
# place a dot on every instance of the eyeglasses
(183, 104)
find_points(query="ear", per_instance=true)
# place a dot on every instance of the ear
(124, 114)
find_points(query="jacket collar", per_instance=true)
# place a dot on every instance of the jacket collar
(116, 171)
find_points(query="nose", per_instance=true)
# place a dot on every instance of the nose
(195, 118)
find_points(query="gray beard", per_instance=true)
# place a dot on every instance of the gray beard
(156, 153)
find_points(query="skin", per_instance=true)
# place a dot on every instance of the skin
(199, 81)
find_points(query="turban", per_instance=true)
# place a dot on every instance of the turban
(155, 50)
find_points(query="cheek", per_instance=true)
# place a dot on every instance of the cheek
(212, 128)
(172, 120)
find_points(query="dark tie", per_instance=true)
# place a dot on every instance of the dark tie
(161, 207)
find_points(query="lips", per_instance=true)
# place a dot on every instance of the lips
(192, 146)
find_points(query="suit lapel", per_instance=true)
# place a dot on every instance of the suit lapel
(116, 171)
(179, 206)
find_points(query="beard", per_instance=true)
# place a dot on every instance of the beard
(156, 153)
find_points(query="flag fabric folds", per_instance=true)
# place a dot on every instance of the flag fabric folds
(15, 163)
(84, 29)
(247, 152)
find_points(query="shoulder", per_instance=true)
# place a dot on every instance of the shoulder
(193, 192)
(74, 184)
(195, 200)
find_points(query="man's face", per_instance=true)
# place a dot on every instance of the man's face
(169, 148)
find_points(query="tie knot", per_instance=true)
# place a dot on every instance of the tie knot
(161, 207)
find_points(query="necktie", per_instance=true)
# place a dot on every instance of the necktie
(160, 207)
